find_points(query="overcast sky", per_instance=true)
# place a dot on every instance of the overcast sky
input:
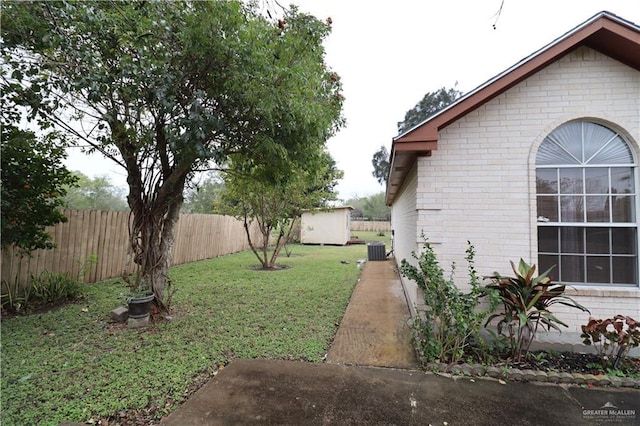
(390, 53)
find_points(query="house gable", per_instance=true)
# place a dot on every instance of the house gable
(605, 33)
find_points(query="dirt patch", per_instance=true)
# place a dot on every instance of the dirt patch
(275, 268)
(37, 307)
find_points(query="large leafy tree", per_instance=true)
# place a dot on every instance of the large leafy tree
(34, 182)
(430, 104)
(97, 193)
(165, 89)
(380, 163)
(254, 194)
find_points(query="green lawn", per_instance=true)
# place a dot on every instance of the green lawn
(72, 364)
(370, 236)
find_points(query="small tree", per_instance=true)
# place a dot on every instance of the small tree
(275, 201)
(34, 182)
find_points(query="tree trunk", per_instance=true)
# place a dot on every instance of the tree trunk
(159, 252)
(254, 249)
(168, 237)
(155, 210)
(283, 239)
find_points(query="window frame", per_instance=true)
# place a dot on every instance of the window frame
(582, 226)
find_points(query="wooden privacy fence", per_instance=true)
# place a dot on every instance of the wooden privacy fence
(105, 234)
(373, 225)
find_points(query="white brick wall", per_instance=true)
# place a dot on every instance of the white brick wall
(404, 217)
(480, 183)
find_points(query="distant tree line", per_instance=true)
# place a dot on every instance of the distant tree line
(372, 207)
(97, 193)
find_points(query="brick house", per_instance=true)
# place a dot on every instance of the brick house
(539, 163)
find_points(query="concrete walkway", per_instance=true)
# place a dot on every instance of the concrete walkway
(344, 392)
(374, 329)
(270, 392)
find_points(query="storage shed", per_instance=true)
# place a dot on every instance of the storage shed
(326, 226)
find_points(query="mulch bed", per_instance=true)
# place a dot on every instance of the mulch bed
(572, 362)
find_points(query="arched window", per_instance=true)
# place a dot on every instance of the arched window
(586, 198)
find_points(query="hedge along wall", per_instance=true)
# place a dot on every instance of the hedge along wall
(105, 234)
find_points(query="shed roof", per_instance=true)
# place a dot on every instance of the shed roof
(328, 209)
(604, 32)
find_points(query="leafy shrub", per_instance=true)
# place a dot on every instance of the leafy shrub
(453, 318)
(527, 301)
(46, 288)
(12, 298)
(612, 336)
(50, 287)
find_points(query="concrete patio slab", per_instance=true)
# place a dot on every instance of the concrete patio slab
(274, 392)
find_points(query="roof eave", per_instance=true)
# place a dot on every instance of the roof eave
(426, 133)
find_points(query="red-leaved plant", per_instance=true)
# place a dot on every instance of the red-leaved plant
(527, 300)
(612, 336)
